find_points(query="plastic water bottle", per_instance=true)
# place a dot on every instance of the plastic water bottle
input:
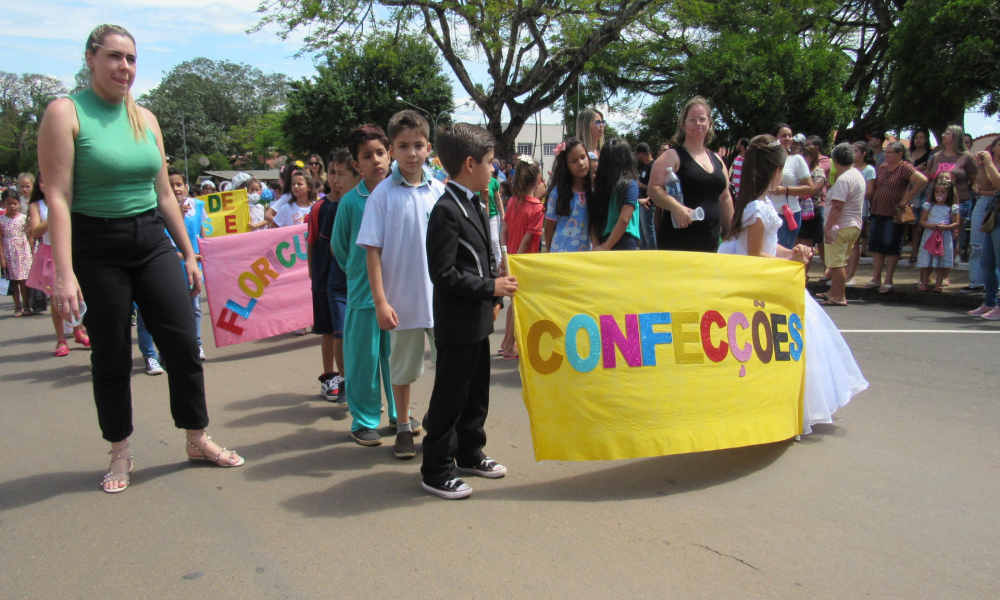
(673, 185)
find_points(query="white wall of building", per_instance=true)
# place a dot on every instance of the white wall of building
(539, 141)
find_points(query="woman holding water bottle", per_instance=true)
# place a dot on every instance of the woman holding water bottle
(698, 197)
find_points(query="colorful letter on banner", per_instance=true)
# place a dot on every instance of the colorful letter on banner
(226, 213)
(257, 285)
(635, 354)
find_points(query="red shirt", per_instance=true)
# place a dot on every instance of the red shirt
(524, 217)
(312, 222)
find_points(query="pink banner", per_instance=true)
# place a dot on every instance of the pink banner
(257, 284)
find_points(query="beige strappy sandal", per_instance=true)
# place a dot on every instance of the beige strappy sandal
(119, 476)
(204, 454)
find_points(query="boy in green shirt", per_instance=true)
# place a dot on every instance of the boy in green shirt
(366, 347)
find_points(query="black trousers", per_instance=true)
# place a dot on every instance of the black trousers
(457, 411)
(118, 261)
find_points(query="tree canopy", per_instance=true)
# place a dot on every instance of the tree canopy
(360, 84)
(211, 98)
(533, 49)
(23, 99)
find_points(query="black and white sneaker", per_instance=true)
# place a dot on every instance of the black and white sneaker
(487, 467)
(453, 489)
(153, 366)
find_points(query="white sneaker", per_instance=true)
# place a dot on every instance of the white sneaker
(153, 367)
(201, 354)
(982, 310)
(993, 315)
(330, 388)
(850, 283)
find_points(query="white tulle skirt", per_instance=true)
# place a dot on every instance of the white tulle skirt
(832, 375)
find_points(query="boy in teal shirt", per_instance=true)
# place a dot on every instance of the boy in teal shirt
(366, 347)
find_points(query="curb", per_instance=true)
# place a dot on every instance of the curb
(907, 293)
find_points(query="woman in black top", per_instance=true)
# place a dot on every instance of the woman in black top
(704, 183)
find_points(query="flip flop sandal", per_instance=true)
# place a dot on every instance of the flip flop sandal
(511, 357)
(885, 289)
(871, 285)
(18, 315)
(821, 296)
(831, 303)
(62, 349)
(922, 287)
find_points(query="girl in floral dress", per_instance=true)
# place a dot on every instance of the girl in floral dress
(16, 256)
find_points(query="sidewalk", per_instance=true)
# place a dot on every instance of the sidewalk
(904, 288)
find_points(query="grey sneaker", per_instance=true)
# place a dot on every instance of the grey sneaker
(367, 437)
(153, 367)
(404, 445)
(415, 425)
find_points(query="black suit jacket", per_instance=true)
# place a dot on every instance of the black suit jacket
(462, 268)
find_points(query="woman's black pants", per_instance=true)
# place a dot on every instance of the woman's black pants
(118, 261)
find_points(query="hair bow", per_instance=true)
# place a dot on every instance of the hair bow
(559, 148)
(526, 159)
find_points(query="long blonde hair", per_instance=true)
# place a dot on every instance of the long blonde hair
(583, 123)
(94, 41)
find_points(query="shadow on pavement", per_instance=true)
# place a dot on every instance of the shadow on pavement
(44, 486)
(296, 409)
(271, 348)
(337, 454)
(646, 478)
(63, 376)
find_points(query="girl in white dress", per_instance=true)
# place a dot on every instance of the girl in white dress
(832, 375)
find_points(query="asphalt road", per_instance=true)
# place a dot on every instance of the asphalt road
(897, 499)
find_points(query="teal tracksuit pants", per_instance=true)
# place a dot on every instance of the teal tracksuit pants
(366, 353)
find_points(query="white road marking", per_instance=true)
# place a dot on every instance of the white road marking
(917, 331)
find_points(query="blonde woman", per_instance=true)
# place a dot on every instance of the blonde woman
(704, 184)
(109, 200)
(590, 129)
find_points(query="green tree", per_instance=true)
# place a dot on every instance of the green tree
(751, 59)
(23, 99)
(209, 98)
(533, 49)
(947, 56)
(360, 85)
(260, 139)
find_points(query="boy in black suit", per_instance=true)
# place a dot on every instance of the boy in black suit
(466, 285)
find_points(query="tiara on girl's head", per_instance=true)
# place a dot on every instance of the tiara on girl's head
(774, 143)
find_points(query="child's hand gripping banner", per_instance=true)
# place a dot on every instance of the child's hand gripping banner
(629, 354)
(226, 213)
(257, 285)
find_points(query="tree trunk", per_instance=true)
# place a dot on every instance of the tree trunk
(506, 138)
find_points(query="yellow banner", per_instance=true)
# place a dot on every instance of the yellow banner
(635, 354)
(226, 213)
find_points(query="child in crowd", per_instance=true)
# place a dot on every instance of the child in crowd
(296, 212)
(496, 212)
(42, 273)
(320, 259)
(522, 229)
(567, 228)
(285, 193)
(16, 256)
(614, 211)
(342, 178)
(832, 376)
(365, 344)
(394, 234)
(257, 205)
(938, 221)
(466, 285)
(193, 211)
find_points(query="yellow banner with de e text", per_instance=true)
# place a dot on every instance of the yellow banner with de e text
(226, 213)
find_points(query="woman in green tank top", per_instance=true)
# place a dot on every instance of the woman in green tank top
(109, 200)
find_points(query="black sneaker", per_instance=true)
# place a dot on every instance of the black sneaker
(487, 467)
(404, 445)
(415, 425)
(453, 489)
(970, 289)
(367, 437)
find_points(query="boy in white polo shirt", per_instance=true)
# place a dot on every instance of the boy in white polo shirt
(394, 232)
